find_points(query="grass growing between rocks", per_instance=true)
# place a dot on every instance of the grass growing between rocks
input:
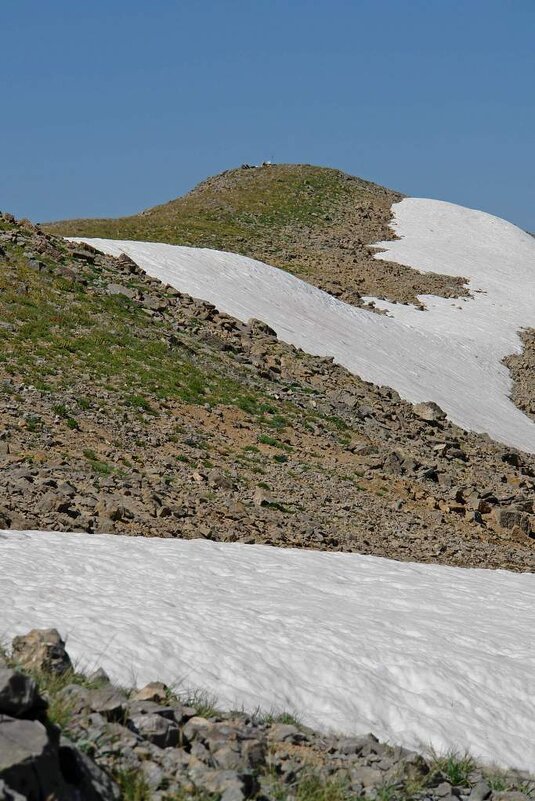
(56, 330)
(133, 785)
(458, 767)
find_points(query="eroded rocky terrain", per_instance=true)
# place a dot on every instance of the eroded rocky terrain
(129, 407)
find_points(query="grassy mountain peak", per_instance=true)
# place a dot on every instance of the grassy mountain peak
(315, 222)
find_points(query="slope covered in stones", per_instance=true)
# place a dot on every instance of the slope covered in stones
(129, 407)
(315, 222)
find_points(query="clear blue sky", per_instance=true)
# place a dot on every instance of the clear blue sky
(110, 106)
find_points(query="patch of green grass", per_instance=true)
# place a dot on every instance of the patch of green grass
(389, 792)
(34, 423)
(97, 465)
(61, 330)
(276, 717)
(132, 785)
(246, 205)
(202, 701)
(139, 402)
(278, 421)
(457, 767)
(311, 787)
(498, 782)
(265, 439)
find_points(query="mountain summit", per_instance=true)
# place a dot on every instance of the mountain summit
(315, 222)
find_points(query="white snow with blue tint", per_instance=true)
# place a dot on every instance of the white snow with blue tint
(418, 654)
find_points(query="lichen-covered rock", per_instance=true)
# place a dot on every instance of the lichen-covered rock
(41, 650)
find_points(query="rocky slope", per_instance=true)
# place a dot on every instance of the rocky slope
(129, 407)
(67, 735)
(522, 368)
(314, 222)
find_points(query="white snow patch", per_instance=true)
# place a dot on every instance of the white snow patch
(418, 654)
(450, 354)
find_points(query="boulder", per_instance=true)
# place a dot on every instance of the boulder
(108, 702)
(81, 773)
(429, 411)
(18, 695)
(41, 650)
(509, 518)
(157, 730)
(29, 761)
(155, 691)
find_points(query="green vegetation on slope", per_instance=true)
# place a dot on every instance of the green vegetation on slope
(241, 208)
(315, 222)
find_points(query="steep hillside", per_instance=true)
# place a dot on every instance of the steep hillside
(128, 406)
(312, 221)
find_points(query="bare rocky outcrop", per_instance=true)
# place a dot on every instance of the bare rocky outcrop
(36, 762)
(522, 367)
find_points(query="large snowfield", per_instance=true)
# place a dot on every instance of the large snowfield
(450, 353)
(419, 654)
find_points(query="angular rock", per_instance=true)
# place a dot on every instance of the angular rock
(90, 781)
(229, 784)
(254, 753)
(509, 518)
(28, 760)
(155, 691)
(356, 745)
(229, 757)
(119, 289)
(157, 730)
(285, 733)
(18, 695)
(510, 795)
(480, 791)
(429, 411)
(197, 728)
(41, 650)
(109, 702)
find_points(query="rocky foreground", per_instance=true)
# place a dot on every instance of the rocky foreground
(64, 735)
